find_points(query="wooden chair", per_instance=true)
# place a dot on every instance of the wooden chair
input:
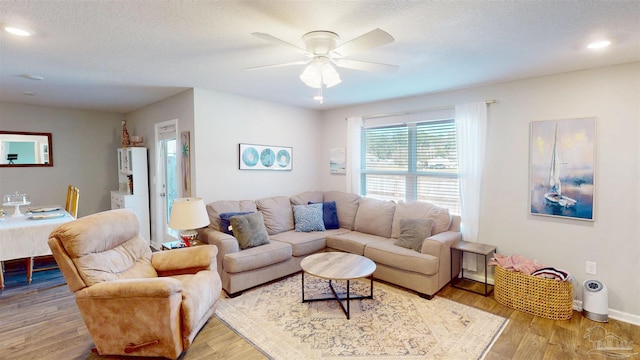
(71, 206)
(73, 195)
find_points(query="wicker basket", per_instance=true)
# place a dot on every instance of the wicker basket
(547, 298)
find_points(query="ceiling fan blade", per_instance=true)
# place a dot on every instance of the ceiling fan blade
(274, 39)
(364, 42)
(301, 62)
(365, 66)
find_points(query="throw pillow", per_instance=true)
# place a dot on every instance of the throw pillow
(308, 217)
(329, 215)
(249, 230)
(225, 224)
(413, 232)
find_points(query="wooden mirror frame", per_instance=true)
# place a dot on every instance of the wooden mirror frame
(50, 148)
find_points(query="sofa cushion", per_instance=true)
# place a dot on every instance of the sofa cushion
(421, 210)
(225, 223)
(306, 243)
(386, 253)
(277, 212)
(307, 197)
(346, 206)
(353, 242)
(375, 217)
(249, 230)
(256, 258)
(214, 209)
(413, 232)
(308, 218)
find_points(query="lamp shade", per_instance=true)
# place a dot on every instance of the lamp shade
(188, 214)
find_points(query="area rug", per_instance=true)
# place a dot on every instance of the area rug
(395, 324)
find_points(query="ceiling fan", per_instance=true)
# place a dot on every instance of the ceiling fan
(322, 52)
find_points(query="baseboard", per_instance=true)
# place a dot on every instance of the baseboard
(577, 304)
(613, 314)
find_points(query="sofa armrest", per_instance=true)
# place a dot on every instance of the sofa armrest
(188, 260)
(227, 244)
(439, 245)
(132, 288)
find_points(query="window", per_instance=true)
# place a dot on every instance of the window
(415, 161)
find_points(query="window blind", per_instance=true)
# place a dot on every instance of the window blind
(412, 161)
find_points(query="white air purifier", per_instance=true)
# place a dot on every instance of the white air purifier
(595, 301)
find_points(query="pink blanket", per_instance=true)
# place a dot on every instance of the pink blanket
(516, 263)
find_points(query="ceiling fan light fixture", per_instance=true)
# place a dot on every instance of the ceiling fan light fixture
(320, 71)
(330, 76)
(311, 76)
(324, 55)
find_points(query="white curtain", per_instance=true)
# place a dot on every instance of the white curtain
(354, 140)
(471, 136)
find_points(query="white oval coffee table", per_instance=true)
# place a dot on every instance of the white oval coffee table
(338, 266)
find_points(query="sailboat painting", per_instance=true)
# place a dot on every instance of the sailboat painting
(562, 168)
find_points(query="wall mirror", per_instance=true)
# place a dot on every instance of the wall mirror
(22, 149)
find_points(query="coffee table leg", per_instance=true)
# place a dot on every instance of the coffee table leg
(345, 309)
(348, 307)
(303, 286)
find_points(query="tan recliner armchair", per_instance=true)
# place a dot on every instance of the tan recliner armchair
(135, 302)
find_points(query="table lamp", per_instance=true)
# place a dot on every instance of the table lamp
(188, 214)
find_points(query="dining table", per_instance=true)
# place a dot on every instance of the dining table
(25, 236)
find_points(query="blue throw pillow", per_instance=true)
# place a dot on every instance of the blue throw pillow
(308, 217)
(329, 215)
(225, 223)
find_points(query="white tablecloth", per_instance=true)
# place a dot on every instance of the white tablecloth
(23, 237)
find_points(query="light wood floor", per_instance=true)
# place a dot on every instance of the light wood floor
(41, 321)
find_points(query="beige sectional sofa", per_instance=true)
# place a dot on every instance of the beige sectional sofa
(368, 227)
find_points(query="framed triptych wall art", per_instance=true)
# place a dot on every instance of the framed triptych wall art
(265, 157)
(562, 168)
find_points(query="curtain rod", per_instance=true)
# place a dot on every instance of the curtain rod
(416, 111)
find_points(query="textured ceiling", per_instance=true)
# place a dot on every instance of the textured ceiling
(119, 56)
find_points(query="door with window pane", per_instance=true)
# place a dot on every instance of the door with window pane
(167, 179)
(170, 183)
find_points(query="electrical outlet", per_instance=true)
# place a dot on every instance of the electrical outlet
(591, 268)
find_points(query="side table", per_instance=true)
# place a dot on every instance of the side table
(475, 248)
(179, 244)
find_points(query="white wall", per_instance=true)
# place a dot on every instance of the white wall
(218, 123)
(224, 120)
(611, 94)
(84, 154)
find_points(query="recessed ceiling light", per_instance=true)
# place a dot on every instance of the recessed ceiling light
(32, 77)
(599, 44)
(17, 31)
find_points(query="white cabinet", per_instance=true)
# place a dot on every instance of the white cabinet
(133, 189)
(132, 171)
